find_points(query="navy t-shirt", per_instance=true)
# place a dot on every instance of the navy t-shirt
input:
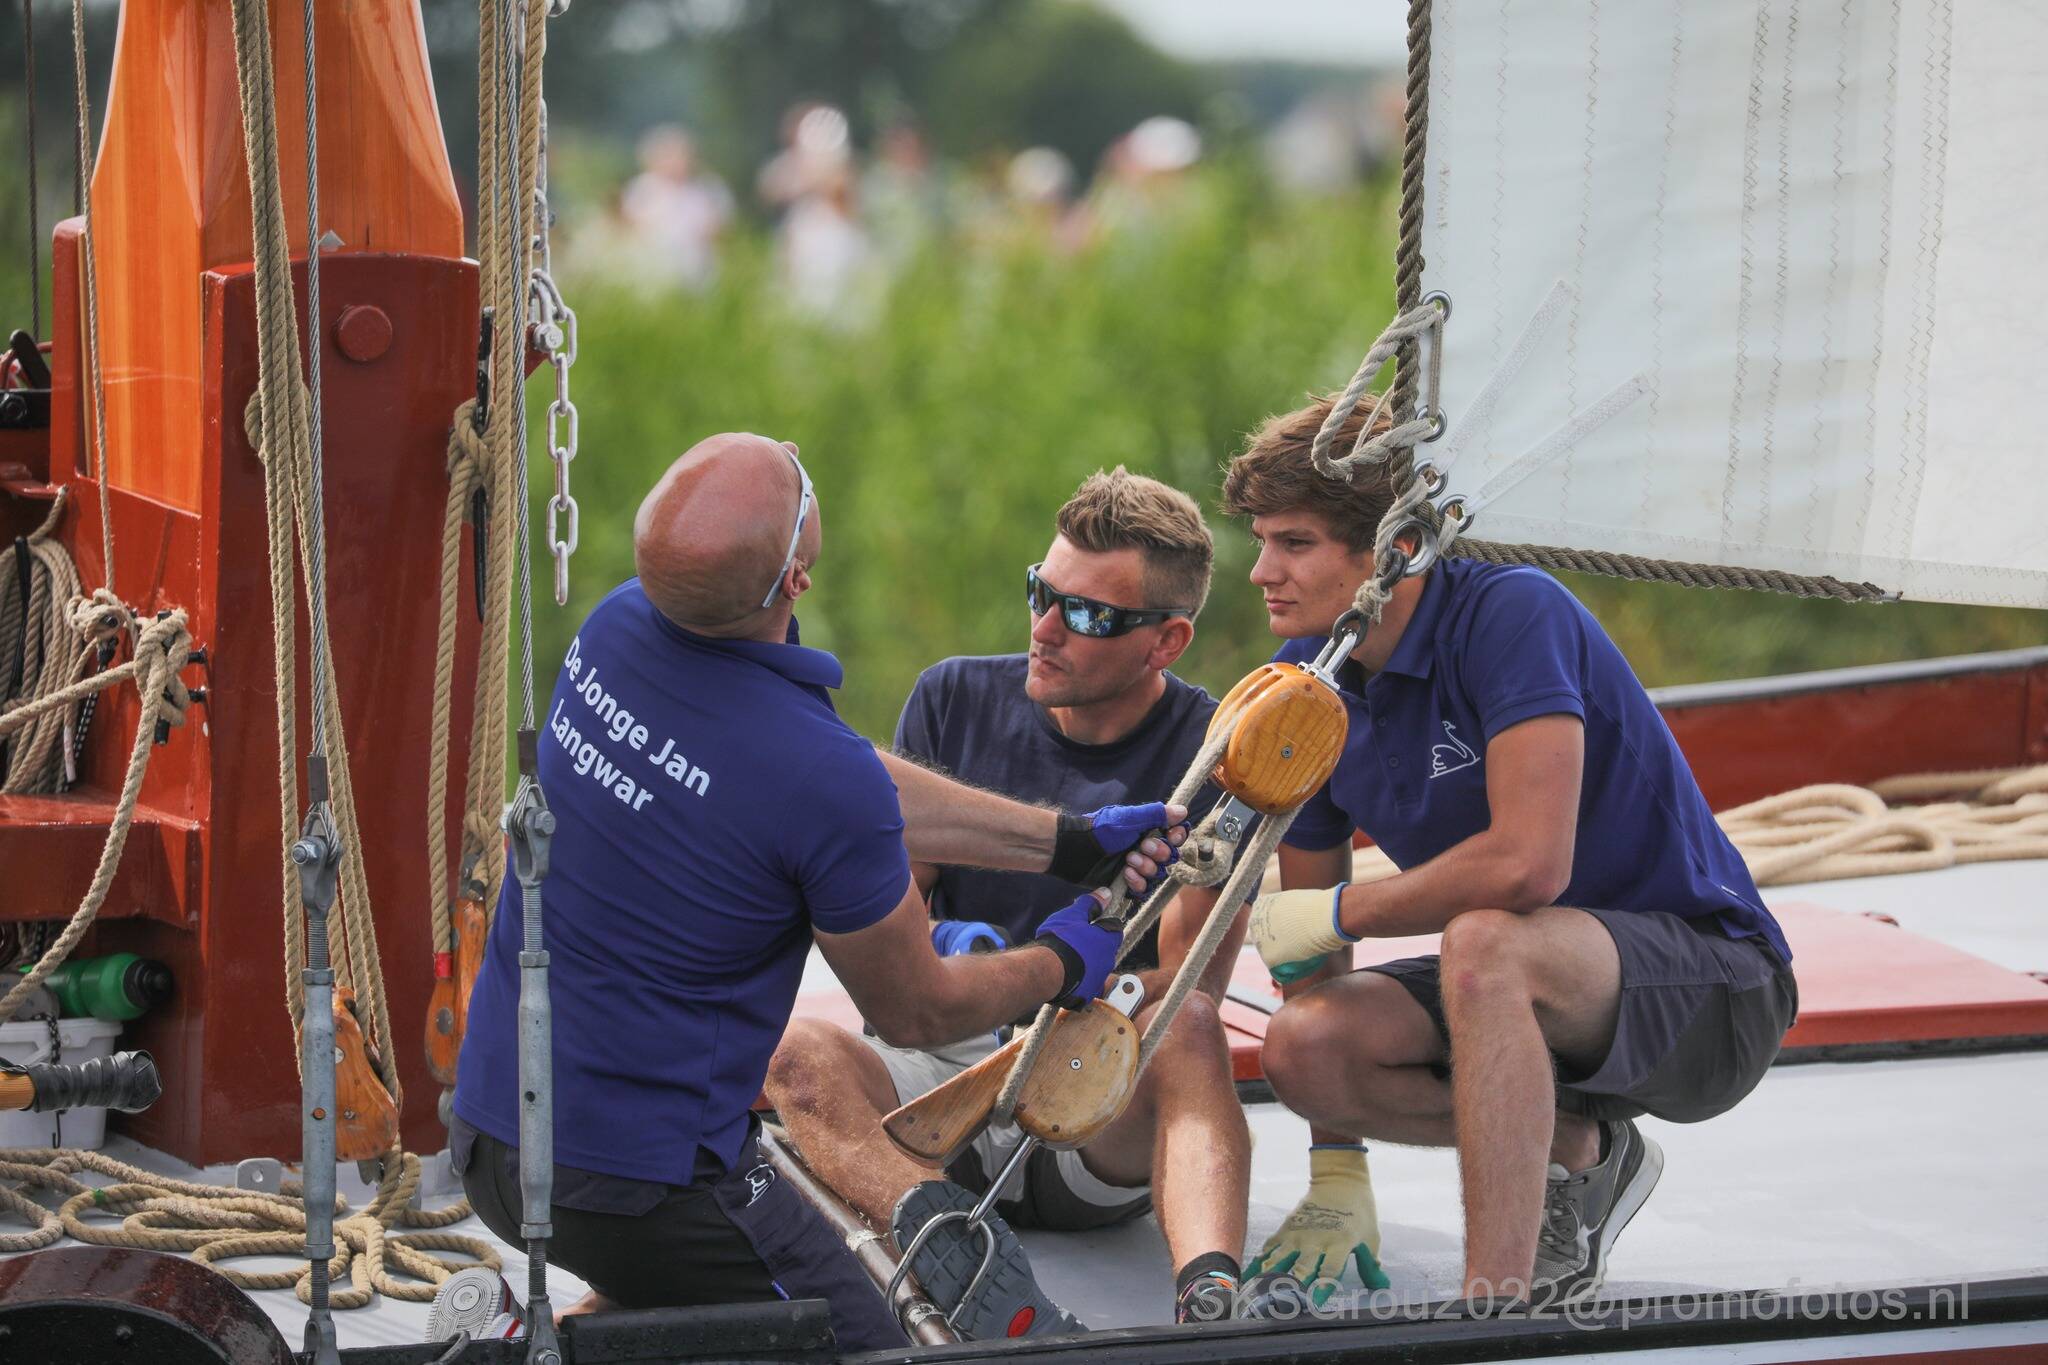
(970, 717)
(712, 809)
(1489, 647)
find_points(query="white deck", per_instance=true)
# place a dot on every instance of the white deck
(1830, 1174)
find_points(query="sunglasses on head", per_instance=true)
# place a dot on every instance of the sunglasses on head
(796, 534)
(1085, 615)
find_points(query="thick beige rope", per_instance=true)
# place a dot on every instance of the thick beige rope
(213, 1223)
(280, 420)
(41, 630)
(1201, 864)
(162, 647)
(486, 460)
(1823, 833)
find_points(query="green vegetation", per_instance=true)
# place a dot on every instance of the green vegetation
(995, 375)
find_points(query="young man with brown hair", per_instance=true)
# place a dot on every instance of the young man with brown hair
(1089, 715)
(1605, 953)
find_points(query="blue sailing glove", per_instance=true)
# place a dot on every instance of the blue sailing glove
(1087, 950)
(1088, 850)
(954, 936)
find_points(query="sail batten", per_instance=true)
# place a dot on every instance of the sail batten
(1818, 231)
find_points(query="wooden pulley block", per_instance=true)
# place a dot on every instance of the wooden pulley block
(1062, 1104)
(1290, 732)
(448, 1006)
(365, 1119)
(1084, 1077)
(472, 927)
(444, 1044)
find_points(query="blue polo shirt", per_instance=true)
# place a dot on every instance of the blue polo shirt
(1487, 648)
(712, 810)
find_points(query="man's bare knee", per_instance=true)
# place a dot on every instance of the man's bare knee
(811, 1065)
(1299, 1047)
(1483, 956)
(1196, 1033)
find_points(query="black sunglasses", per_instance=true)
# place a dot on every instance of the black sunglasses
(1085, 615)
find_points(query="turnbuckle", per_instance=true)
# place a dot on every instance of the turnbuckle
(531, 826)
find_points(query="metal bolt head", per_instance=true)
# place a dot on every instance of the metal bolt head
(1074, 1063)
(1287, 751)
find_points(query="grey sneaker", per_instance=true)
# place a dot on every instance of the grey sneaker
(1008, 1302)
(476, 1300)
(1584, 1213)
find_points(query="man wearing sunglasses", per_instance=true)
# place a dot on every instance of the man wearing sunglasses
(714, 819)
(1086, 715)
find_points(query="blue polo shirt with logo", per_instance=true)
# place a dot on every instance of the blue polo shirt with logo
(1487, 648)
(712, 810)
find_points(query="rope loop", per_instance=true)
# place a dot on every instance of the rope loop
(1426, 320)
(213, 1224)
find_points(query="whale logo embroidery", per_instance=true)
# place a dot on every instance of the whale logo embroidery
(1449, 758)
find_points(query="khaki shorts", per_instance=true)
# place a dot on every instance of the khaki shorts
(1054, 1190)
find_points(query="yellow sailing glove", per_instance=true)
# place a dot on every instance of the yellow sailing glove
(1295, 930)
(1335, 1221)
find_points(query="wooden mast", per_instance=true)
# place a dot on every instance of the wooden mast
(199, 883)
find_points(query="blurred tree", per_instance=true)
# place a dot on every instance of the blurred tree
(1068, 75)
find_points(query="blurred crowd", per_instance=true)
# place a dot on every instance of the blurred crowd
(844, 222)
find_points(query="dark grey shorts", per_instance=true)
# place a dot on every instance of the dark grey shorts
(1701, 1019)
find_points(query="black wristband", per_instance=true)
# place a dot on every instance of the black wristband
(1071, 965)
(1077, 856)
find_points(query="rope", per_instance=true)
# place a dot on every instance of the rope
(162, 647)
(1822, 833)
(1563, 559)
(1201, 867)
(214, 1224)
(92, 291)
(279, 420)
(491, 460)
(33, 628)
(1408, 260)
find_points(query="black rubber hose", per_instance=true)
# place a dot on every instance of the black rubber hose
(126, 1081)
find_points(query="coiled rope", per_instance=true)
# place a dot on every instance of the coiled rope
(1918, 823)
(214, 1224)
(162, 646)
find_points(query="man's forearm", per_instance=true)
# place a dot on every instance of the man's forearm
(977, 992)
(950, 822)
(1481, 873)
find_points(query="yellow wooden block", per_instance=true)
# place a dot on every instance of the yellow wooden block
(1290, 732)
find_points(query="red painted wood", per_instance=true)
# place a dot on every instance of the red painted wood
(50, 847)
(213, 867)
(1742, 751)
(2036, 735)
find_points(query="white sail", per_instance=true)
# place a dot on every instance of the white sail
(1817, 235)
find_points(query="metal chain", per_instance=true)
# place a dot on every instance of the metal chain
(514, 58)
(554, 331)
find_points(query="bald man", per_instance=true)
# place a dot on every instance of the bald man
(714, 818)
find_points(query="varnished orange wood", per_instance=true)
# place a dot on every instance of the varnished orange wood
(472, 926)
(16, 1091)
(170, 194)
(1290, 732)
(444, 1044)
(365, 1121)
(936, 1127)
(1083, 1079)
